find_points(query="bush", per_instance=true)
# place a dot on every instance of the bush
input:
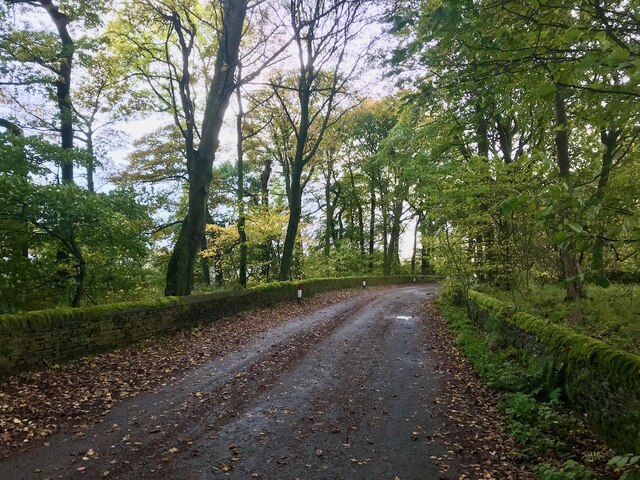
(538, 427)
(571, 470)
(608, 314)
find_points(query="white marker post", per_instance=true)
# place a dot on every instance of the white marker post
(414, 279)
(299, 293)
(364, 283)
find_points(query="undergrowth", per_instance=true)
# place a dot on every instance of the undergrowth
(609, 314)
(531, 409)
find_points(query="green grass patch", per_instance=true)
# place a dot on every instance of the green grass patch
(530, 408)
(608, 314)
(539, 427)
(570, 470)
(511, 369)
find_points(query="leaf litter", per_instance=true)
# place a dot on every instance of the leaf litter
(71, 397)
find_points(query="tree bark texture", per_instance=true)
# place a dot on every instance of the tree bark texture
(391, 258)
(328, 234)
(571, 268)
(609, 139)
(181, 264)
(63, 83)
(242, 234)
(415, 243)
(295, 214)
(372, 223)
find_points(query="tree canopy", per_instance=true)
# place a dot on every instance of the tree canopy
(185, 145)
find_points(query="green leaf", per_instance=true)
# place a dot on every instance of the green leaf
(622, 461)
(618, 55)
(547, 212)
(560, 237)
(571, 35)
(601, 280)
(508, 205)
(576, 227)
(587, 62)
(546, 91)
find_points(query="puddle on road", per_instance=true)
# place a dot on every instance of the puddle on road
(403, 317)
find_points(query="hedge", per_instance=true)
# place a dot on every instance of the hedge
(36, 339)
(596, 379)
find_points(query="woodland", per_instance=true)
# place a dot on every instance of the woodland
(153, 147)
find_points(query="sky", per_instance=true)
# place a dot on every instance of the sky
(370, 80)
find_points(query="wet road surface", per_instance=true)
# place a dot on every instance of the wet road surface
(345, 393)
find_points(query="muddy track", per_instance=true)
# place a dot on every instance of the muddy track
(344, 393)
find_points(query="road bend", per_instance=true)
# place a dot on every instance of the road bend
(344, 393)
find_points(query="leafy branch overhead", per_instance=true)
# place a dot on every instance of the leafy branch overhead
(496, 142)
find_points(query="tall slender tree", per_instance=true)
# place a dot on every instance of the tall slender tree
(181, 263)
(47, 59)
(322, 31)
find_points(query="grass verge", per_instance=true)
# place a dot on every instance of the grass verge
(609, 314)
(557, 442)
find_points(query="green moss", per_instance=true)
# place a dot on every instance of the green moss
(71, 332)
(598, 379)
(608, 314)
(36, 318)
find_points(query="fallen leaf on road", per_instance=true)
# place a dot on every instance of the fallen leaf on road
(82, 391)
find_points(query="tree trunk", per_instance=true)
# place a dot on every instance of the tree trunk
(505, 139)
(63, 83)
(295, 214)
(205, 270)
(82, 271)
(425, 267)
(328, 235)
(181, 263)
(91, 165)
(415, 243)
(385, 231)
(356, 200)
(482, 133)
(609, 139)
(217, 266)
(392, 258)
(372, 223)
(339, 235)
(571, 269)
(242, 234)
(295, 179)
(204, 263)
(264, 182)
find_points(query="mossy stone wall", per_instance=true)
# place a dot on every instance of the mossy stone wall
(45, 337)
(595, 378)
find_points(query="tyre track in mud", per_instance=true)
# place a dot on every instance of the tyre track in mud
(153, 433)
